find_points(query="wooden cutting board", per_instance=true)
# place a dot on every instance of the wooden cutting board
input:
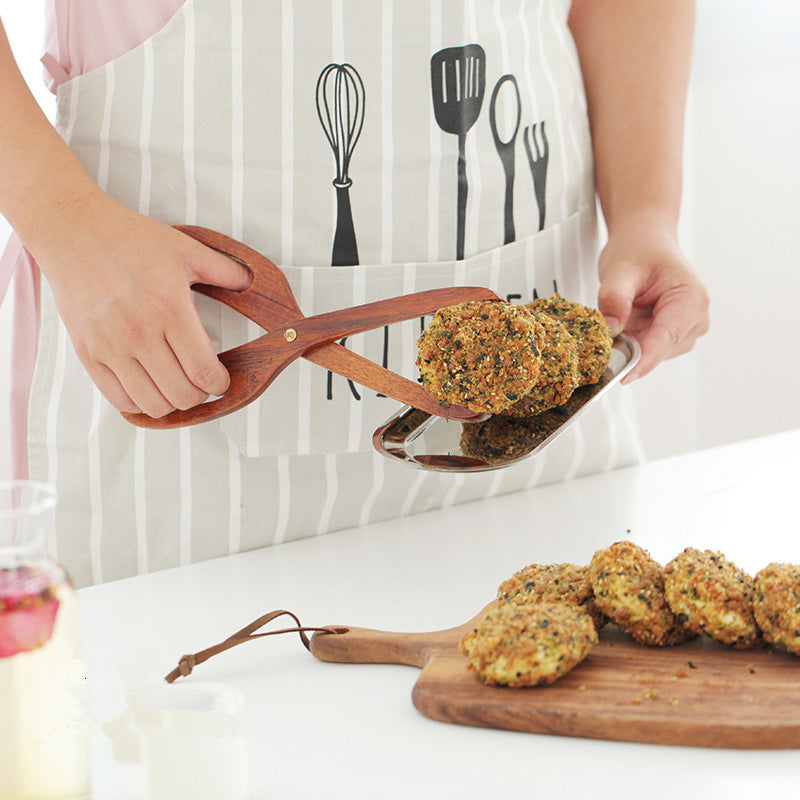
(698, 694)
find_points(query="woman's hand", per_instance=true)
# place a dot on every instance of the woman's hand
(635, 58)
(122, 282)
(649, 289)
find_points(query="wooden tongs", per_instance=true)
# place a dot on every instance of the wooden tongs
(269, 302)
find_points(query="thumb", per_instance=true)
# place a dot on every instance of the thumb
(217, 269)
(615, 297)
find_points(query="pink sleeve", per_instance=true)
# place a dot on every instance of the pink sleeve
(16, 263)
(81, 35)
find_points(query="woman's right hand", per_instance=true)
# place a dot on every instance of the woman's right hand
(121, 280)
(122, 284)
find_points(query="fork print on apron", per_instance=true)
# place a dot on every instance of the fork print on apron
(369, 199)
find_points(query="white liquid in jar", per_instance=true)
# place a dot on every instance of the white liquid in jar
(44, 752)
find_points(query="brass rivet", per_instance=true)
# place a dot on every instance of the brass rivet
(290, 334)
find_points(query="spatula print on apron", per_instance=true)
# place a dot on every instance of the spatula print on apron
(458, 78)
(458, 82)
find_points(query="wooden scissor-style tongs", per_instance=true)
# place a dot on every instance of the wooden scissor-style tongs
(269, 302)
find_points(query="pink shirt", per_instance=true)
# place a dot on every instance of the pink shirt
(80, 35)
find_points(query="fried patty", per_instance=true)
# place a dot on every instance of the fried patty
(629, 589)
(528, 645)
(712, 596)
(776, 605)
(500, 439)
(588, 328)
(552, 583)
(558, 374)
(483, 355)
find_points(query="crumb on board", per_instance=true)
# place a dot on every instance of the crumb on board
(652, 694)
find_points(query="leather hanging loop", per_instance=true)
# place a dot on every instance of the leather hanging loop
(187, 663)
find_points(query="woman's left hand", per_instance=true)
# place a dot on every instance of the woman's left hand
(649, 289)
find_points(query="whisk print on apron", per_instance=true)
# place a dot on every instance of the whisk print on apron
(155, 125)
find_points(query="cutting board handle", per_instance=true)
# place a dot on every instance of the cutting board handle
(367, 646)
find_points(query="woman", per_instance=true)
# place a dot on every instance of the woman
(238, 116)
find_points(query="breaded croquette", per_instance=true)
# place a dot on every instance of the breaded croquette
(711, 595)
(589, 329)
(629, 588)
(776, 605)
(527, 645)
(482, 355)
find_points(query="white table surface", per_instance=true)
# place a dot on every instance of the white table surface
(316, 729)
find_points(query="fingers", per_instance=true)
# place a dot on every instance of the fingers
(110, 387)
(129, 388)
(657, 342)
(179, 370)
(152, 374)
(160, 369)
(142, 389)
(188, 340)
(615, 299)
(196, 359)
(217, 269)
(155, 387)
(649, 289)
(677, 321)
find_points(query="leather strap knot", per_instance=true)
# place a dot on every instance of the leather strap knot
(188, 662)
(186, 665)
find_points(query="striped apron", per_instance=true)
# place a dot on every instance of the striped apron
(370, 149)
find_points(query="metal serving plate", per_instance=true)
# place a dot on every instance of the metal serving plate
(425, 441)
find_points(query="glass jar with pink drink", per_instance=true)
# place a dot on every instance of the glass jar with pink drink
(44, 753)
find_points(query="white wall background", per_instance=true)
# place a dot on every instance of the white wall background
(739, 227)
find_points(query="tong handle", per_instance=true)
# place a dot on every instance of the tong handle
(255, 365)
(348, 321)
(244, 389)
(268, 301)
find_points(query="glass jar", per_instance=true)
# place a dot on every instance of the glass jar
(44, 753)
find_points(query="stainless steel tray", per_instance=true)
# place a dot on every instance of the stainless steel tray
(425, 441)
